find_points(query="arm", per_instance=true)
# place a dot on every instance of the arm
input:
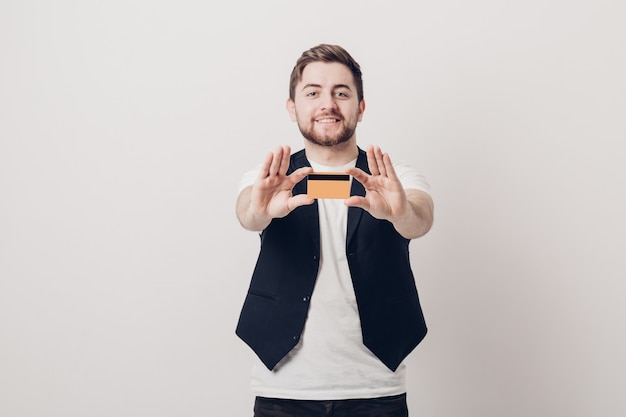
(410, 211)
(270, 196)
(418, 219)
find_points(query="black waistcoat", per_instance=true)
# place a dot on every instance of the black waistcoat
(277, 303)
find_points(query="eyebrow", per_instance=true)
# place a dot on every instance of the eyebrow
(335, 87)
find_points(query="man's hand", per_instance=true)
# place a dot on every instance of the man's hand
(410, 211)
(270, 196)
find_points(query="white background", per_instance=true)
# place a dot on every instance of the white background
(124, 128)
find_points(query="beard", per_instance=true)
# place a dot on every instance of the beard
(343, 135)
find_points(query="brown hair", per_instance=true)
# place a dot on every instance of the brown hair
(326, 53)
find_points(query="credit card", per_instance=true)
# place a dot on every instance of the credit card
(328, 185)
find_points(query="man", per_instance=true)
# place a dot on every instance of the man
(332, 309)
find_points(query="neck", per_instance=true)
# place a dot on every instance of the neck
(332, 155)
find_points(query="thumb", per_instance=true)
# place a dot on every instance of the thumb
(299, 200)
(357, 201)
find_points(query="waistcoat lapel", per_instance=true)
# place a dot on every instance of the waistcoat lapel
(310, 213)
(354, 213)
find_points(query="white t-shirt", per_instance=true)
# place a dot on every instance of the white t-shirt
(330, 362)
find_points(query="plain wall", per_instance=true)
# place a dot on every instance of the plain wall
(124, 129)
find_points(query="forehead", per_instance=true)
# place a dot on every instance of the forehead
(327, 74)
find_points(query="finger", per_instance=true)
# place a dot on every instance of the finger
(265, 166)
(379, 161)
(276, 161)
(360, 175)
(284, 163)
(371, 161)
(299, 174)
(391, 172)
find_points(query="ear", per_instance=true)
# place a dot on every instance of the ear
(291, 109)
(361, 109)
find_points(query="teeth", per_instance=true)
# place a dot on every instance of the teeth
(327, 120)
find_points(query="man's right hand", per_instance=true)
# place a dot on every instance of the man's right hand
(270, 196)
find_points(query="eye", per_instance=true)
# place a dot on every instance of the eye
(311, 94)
(341, 94)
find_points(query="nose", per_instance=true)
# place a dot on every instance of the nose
(328, 102)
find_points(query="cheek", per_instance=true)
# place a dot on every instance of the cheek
(304, 113)
(299, 111)
(351, 110)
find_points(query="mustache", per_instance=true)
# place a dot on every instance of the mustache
(334, 114)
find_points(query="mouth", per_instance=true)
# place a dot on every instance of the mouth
(327, 120)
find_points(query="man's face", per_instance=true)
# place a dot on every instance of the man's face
(326, 106)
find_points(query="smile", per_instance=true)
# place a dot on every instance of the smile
(327, 120)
